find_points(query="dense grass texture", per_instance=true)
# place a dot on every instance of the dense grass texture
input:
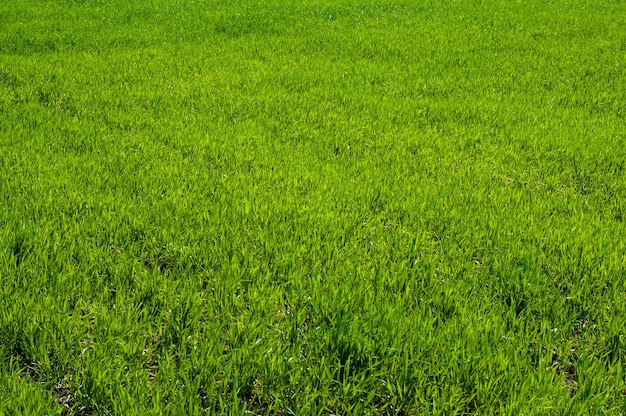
(312, 207)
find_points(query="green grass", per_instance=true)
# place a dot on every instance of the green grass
(312, 207)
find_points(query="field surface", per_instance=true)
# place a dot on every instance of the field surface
(312, 207)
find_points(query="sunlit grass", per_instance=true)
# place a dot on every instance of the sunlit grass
(342, 207)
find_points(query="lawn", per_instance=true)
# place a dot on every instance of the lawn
(312, 207)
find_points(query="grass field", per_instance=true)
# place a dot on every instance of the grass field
(312, 207)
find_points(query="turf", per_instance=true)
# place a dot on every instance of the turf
(312, 207)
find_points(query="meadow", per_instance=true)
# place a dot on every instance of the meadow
(312, 207)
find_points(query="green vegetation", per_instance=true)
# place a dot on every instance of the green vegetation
(312, 207)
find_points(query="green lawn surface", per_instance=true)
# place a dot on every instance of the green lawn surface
(312, 207)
